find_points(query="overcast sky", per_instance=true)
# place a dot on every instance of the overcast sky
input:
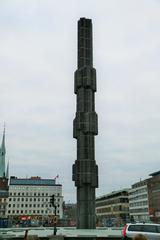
(38, 53)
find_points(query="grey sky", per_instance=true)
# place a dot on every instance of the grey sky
(38, 52)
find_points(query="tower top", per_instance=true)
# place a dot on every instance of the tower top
(85, 57)
(3, 149)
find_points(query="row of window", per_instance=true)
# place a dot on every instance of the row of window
(132, 198)
(112, 201)
(30, 205)
(30, 194)
(31, 211)
(113, 209)
(139, 210)
(31, 199)
(138, 204)
(3, 200)
(138, 191)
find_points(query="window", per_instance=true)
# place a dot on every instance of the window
(19, 194)
(30, 205)
(21, 211)
(17, 211)
(26, 205)
(22, 205)
(34, 199)
(149, 228)
(22, 199)
(14, 194)
(135, 228)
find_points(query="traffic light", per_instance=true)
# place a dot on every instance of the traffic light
(52, 200)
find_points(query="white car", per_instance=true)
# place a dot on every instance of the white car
(150, 230)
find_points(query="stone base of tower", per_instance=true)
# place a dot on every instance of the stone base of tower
(86, 217)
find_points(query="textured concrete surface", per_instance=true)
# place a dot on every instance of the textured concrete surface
(85, 170)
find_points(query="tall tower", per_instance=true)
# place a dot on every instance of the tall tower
(85, 170)
(2, 156)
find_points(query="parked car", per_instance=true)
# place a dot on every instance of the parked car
(150, 230)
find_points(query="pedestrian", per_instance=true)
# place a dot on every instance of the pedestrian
(140, 237)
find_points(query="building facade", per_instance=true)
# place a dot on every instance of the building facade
(138, 202)
(144, 199)
(113, 209)
(3, 196)
(154, 196)
(29, 198)
(70, 214)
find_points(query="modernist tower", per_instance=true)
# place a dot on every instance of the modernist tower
(85, 170)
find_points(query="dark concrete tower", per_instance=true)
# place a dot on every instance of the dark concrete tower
(85, 170)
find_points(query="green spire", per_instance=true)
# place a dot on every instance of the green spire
(7, 171)
(2, 156)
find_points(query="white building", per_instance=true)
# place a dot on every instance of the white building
(138, 202)
(30, 197)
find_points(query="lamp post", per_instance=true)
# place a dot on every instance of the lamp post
(52, 201)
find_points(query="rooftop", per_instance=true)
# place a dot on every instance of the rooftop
(113, 194)
(33, 181)
(155, 174)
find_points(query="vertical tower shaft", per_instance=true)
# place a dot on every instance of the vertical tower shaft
(85, 170)
(2, 156)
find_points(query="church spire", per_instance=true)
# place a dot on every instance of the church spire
(7, 171)
(2, 155)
